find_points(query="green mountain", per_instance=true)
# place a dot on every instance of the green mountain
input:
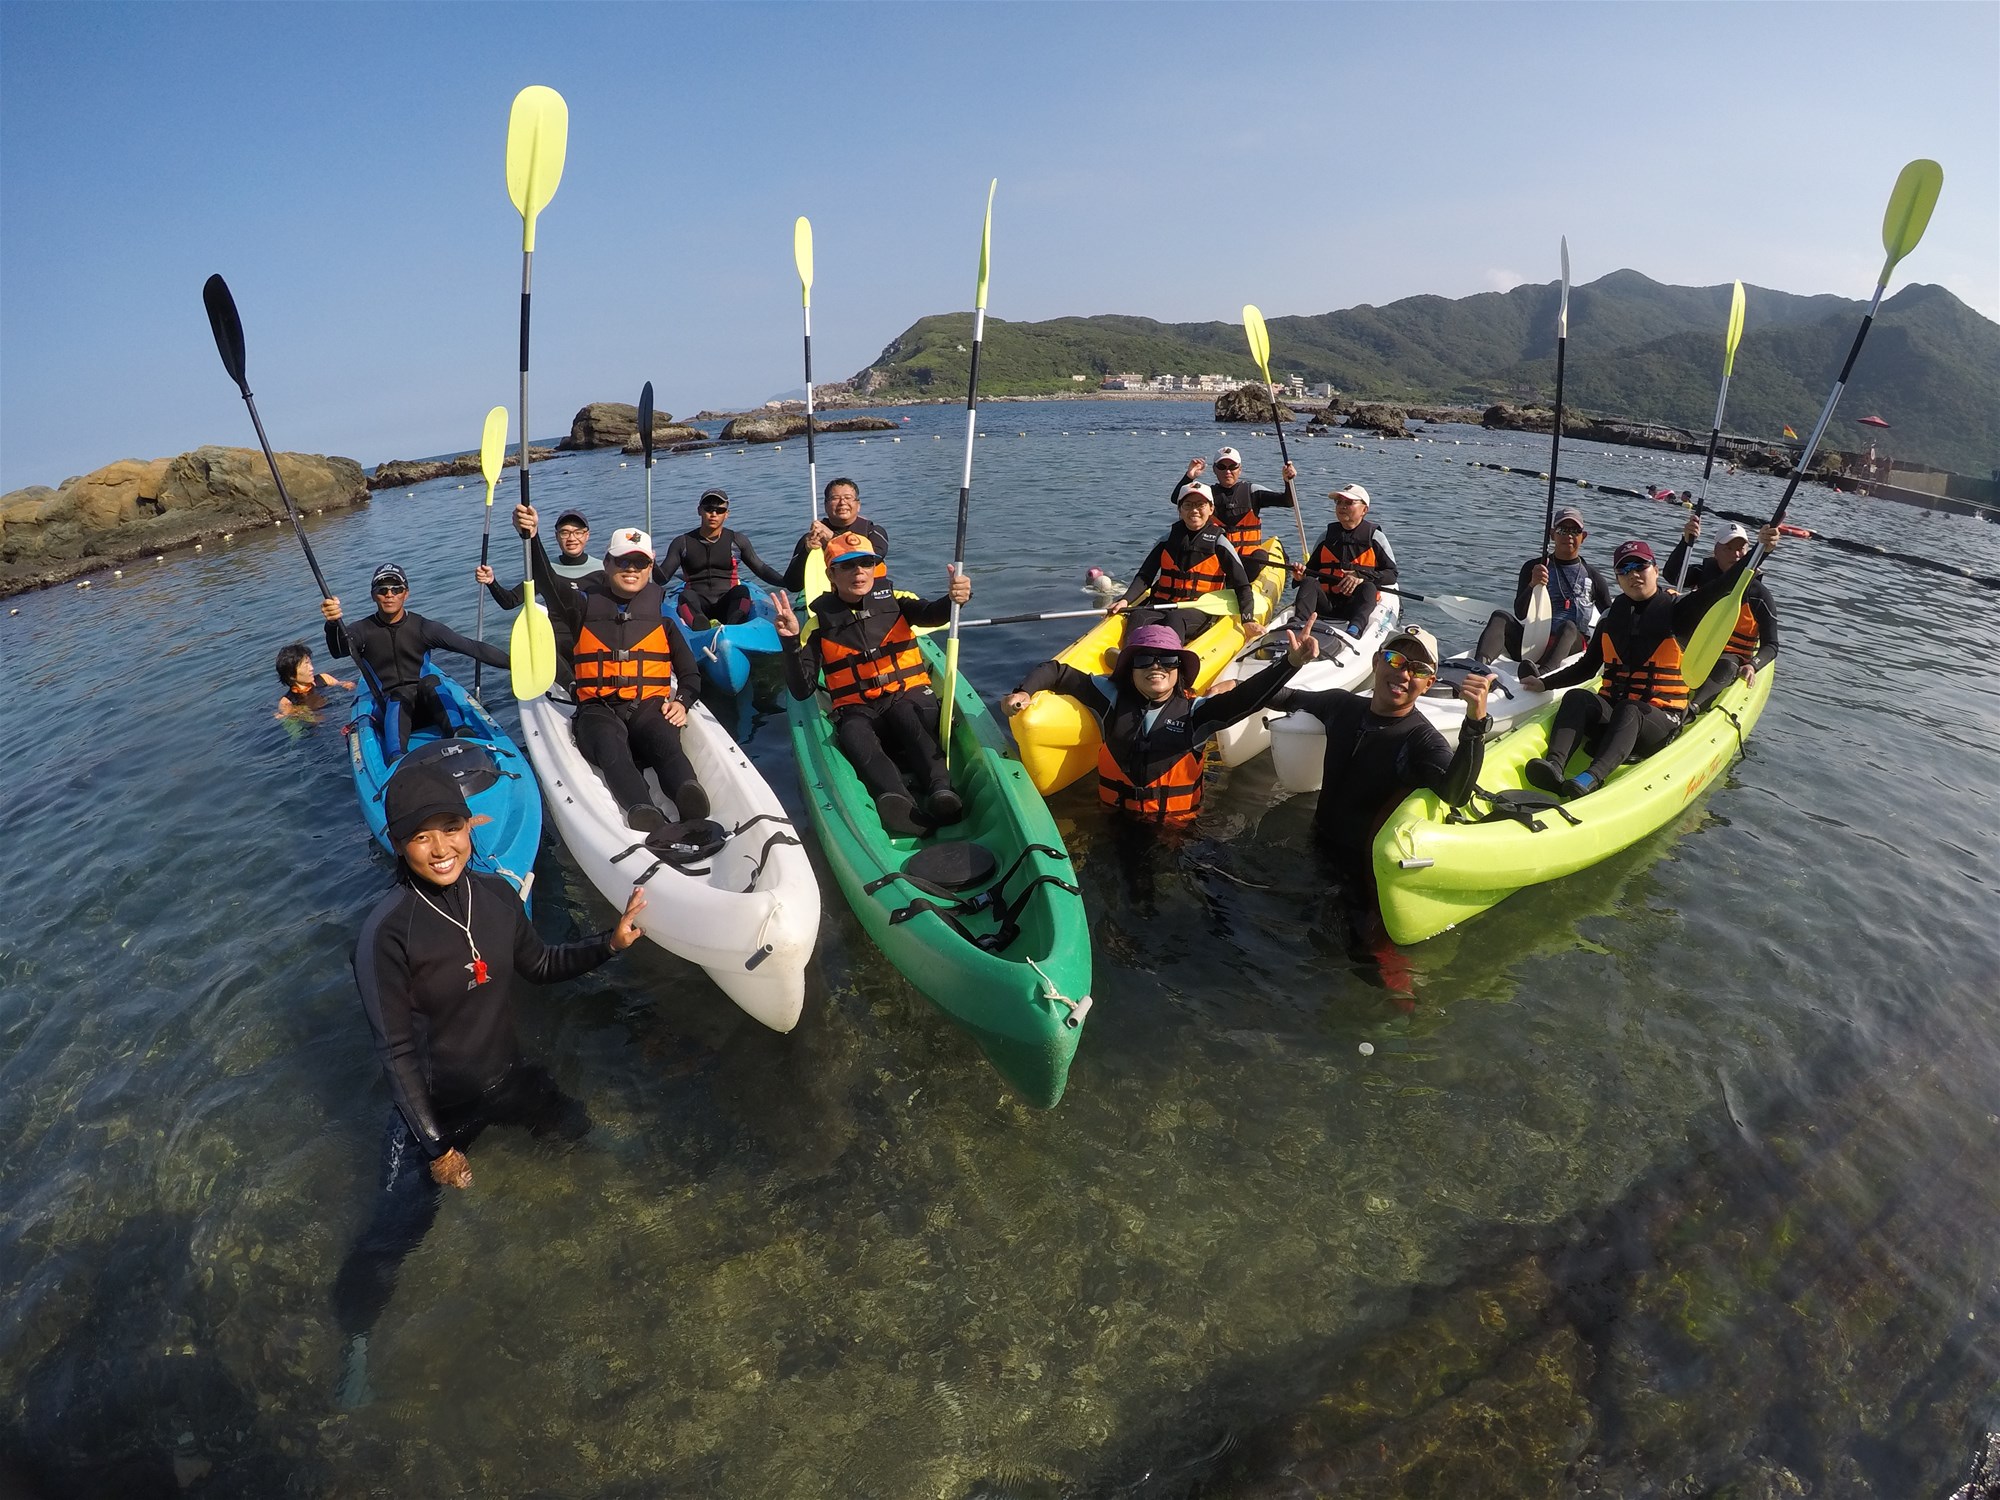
(1637, 349)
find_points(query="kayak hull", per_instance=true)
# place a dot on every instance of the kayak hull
(1023, 1004)
(1432, 874)
(748, 915)
(723, 652)
(1056, 737)
(1344, 661)
(507, 843)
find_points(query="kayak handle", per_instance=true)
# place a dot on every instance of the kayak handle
(1415, 864)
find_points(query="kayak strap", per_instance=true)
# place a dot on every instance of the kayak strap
(1005, 912)
(1519, 804)
(709, 847)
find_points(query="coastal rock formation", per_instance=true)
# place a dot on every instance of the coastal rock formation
(401, 473)
(664, 437)
(1534, 419)
(775, 426)
(1390, 421)
(136, 506)
(1248, 403)
(607, 424)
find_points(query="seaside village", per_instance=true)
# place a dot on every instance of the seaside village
(1209, 385)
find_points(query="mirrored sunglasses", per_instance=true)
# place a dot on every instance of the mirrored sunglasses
(1402, 661)
(1634, 565)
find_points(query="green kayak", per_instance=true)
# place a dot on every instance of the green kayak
(983, 916)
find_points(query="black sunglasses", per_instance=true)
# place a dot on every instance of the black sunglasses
(1164, 661)
(382, 589)
(714, 510)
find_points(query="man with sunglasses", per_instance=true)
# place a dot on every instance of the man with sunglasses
(634, 675)
(1753, 644)
(1578, 594)
(1379, 749)
(843, 518)
(1347, 571)
(1239, 503)
(707, 559)
(389, 646)
(572, 563)
(1192, 559)
(1642, 701)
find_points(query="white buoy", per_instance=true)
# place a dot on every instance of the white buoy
(229, 536)
(895, 440)
(158, 558)
(197, 546)
(117, 572)
(84, 583)
(1367, 1049)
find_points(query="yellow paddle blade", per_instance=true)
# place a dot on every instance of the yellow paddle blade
(950, 694)
(1909, 214)
(537, 141)
(986, 244)
(1704, 647)
(531, 650)
(493, 448)
(1260, 339)
(802, 257)
(1735, 330)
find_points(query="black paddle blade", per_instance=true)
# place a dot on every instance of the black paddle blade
(646, 422)
(228, 328)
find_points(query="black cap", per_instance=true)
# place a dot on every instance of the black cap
(573, 515)
(708, 495)
(389, 573)
(417, 793)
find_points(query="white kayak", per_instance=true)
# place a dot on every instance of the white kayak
(748, 914)
(1344, 661)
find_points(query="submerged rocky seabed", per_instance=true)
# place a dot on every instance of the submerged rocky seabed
(1676, 1178)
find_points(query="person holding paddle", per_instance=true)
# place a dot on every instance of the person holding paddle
(707, 558)
(843, 516)
(1239, 503)
(572, 563)
(1194, 558)
(1348, 569)
(1577, 594)
(864, 652)
(1643, 700)
(1150, 757)
(1753, 644)
(635, 675)
(392, 648)
(437, 963)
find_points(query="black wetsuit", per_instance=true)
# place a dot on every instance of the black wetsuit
(1235, 501)
(1372, 764)
(574, 575)
(1188, 550)
(1574, 588)
(1361, 551)
(1762, 610)
(795, 570)
(889, 734)
(391, 659)
(447, 1044)
(714, 591)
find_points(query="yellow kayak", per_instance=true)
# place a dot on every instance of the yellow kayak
(1432, 874)
(1057, 737)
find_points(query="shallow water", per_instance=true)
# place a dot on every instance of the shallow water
(1754, 1056)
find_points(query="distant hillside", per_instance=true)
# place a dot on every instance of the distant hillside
(1636, 349)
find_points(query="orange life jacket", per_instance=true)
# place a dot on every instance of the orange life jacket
(1744, 639)
(1329, 566)
(862, 658)
(1177, 583)
(1245, 534)
(623, 650)
(1654, 678)
(1166, 784)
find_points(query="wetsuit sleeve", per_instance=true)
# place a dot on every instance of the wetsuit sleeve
(1676, 559)
(1600, 591)
(382, 974)
(1461, 777)
(687, 668)
(554, 592)
(1262, 499)
(1583, 668)
(1523, 587)
(440, 637)
(336, 640)
(1765, 613)
(925, 611)
(551, 963)
(757, 564)
(801, 666)
(670, 563)
(505, 597)
(1219, 710)
(1383, 572)
(1232, 569)
(1059, 677)
(1148, 571)
(795, 570)
(1322, 705)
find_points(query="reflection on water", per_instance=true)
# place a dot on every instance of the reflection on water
(1676, 1173)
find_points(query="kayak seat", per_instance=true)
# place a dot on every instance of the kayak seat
(961, 859)
(469, 762)
(685, 842)
(679, 846)
(1520, 804)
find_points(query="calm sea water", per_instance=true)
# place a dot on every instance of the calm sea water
(1675, 1176)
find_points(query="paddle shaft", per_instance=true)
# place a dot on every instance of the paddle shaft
(298, 526)
(958, 545)
(527, 289)
(1707, 467)
(812, 457)
(646, 447)
(479, 631)
(1555, 444)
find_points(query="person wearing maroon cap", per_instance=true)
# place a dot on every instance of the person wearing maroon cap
(1152, 729)
(1643, 700)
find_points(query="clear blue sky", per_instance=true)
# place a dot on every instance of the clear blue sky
(342, 166)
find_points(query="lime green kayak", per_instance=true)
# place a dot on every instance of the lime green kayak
(1432, 874)
(1005, 953)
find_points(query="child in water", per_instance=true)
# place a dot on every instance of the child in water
(302, 683)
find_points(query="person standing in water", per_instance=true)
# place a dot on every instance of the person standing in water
(437, 962)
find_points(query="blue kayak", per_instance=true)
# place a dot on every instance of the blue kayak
(724, 651)
(491, 770)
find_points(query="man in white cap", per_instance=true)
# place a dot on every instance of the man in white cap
(1353, 562)
(1192, 559)
(634, 673)
(1754, 641)
(1238, 504)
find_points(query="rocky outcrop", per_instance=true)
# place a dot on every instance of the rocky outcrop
(1249, 403)
(1534, 419)
(401, 473)
(664, 437)
(608, 424)
(1390, 421)
(134, 506)
(776, 426)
